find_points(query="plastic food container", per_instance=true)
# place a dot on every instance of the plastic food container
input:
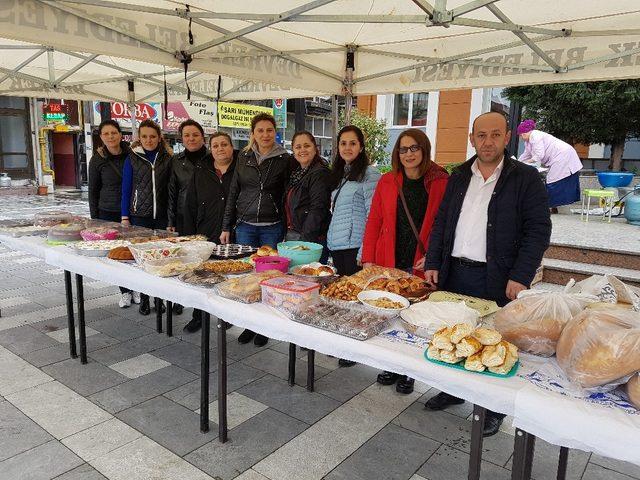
(51, 218)
(64, 232)
(322, 279)
(300, 252)
(171, 266)
(199, 248)
(288, 292)
(143, 252)
(272, 263)
(99, 233)
(246, 288)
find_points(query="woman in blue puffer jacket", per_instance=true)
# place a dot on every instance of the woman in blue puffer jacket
(353, 181)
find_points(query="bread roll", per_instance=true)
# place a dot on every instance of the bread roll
(449, 356)
(459, 331)
(265, 251)
(474, 363)
(534, 322)
(494, 355)
(633, 390)
(487, 336)
(442, 339)
(598, 347)
(506, 366)
(468, 346)
(433, 352)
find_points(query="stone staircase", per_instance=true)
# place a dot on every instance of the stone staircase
(563, 262)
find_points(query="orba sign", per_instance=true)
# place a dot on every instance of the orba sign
(120, 113)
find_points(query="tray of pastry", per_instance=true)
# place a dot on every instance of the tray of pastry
(354, 322)
(121, 254)
(97, 248)
(229, 251)
(341, 293)
(201, 278)
(479, 350)
(227, 267)
(23, 230)
(245, 288)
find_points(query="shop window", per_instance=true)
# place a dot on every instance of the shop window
(410, 109)
(15, 144)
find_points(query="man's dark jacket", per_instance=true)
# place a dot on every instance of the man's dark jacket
(518, 226)
(206, 200)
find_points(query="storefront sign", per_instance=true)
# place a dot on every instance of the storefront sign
(120, 113)
(202, 112)
(280, 112)
(239, 115)
(54, 113)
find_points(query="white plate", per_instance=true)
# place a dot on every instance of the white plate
(374, 294)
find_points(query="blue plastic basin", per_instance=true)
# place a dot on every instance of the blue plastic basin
(615, 179)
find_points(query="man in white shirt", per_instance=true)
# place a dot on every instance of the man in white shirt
(491, 231)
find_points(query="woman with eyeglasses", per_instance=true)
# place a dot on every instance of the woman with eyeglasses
(403, 210)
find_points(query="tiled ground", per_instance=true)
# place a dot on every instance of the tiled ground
(132, 412)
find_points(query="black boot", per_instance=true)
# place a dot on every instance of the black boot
(405, 385)
(177, 309)
(145, 308)
(442, 401)
(387, 378)
(260, 340)
(246, 336)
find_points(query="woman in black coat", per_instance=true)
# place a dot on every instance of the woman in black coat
(308, 194)
(105, 184)
(206, 198)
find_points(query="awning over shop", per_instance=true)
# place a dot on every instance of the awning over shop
(292, 48)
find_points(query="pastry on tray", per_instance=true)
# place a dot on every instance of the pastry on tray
(226, 267)
(120, 253)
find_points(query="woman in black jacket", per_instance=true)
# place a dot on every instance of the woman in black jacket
(255, 206)
(206, 198)
(105, 185)
(182, 167)
(308, 194)
(145, 180)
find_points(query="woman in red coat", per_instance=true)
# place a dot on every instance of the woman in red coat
(403, 210)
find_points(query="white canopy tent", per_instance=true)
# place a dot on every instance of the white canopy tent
(90, 49)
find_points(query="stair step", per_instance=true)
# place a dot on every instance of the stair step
(560, 271)
(594, 256)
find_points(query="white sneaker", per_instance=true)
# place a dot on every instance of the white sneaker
(125, 300)
(135, 297)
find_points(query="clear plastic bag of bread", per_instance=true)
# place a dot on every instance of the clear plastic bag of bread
(600, 348)
(633, 390)
(534, 321)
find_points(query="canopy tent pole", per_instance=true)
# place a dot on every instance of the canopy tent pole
(348, 82)
(132, 110)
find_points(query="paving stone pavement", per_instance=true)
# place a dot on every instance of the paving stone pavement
(132, 412)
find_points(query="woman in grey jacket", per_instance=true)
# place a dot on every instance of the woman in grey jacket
(353, 182)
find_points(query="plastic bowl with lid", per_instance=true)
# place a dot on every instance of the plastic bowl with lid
(300, 252)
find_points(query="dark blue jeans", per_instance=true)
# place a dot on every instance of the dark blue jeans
(256, 236)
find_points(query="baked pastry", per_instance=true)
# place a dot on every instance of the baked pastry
(597, 347)
(474, 363)
(442, 339)
(343, 289)
(433, 352)
(449, 356)
(120, 253)
(494, 355)
(506, 366)
(468, 346)
(324, 270)
(633, 390)
(459, 331)
(266, 251)
(487, 336)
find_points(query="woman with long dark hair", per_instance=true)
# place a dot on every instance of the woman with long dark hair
(353, 182)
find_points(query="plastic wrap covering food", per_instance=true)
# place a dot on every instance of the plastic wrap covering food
(198, 248)
(600, 347)
(188, 238)
(143, 252)
(99, 233)
(425, 318)
(51, 218)
(288, 291)
(171, 266)
(364, 276)
(23, 230)
(134, 233)
(246, 288)
(355, 322)
(315, 272)
(611, 290)
(410, 287)
(201, 278)
(65, 232)
(534, 321)
(633, 390)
